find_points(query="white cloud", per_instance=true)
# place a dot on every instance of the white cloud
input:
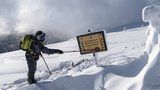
(3, 27)
(71, 17)
(31, 15)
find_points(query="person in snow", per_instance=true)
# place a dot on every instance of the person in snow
(32, 56)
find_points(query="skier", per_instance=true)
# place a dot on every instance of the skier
(33, 54)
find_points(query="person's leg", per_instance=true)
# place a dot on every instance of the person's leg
(31, 70)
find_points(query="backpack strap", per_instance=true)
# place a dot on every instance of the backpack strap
(34, 40)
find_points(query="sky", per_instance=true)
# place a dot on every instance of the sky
(71, 17)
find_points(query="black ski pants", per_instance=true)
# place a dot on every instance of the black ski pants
(32, 66)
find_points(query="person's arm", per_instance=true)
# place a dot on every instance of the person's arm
(51, 51)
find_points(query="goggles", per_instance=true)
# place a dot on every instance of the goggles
(41, 37)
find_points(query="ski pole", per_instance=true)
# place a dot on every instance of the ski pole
(46, 64)
(70, 51)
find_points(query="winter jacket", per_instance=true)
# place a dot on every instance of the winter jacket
(37, 47)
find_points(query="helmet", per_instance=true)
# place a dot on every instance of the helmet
(40, 35)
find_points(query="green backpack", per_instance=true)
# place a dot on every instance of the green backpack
(25, 43)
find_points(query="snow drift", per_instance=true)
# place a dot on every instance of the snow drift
(151, 80)
(148, 76)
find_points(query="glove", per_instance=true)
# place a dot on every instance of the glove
(59, 51)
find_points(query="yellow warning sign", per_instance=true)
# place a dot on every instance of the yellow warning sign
(93, 42)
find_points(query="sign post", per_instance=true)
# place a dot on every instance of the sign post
(95, 58)
(94, 54)
(92, 43)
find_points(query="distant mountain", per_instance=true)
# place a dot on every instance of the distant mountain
(11, 42)
(126, 26)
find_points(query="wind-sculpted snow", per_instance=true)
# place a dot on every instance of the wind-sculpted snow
(89, 79)
(151, 81)
(145, 73)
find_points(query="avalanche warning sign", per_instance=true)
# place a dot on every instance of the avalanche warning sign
(93, 42)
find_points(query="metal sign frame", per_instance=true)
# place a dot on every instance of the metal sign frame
(103, 41)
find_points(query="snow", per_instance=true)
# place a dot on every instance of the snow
(152, 74)
(131, 63)
(119, 64)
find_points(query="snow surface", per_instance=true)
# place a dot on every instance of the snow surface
(119, 64)
(151, 14)
(131, 63)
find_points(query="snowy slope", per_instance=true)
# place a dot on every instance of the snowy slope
(131, 63)
(116, 66)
